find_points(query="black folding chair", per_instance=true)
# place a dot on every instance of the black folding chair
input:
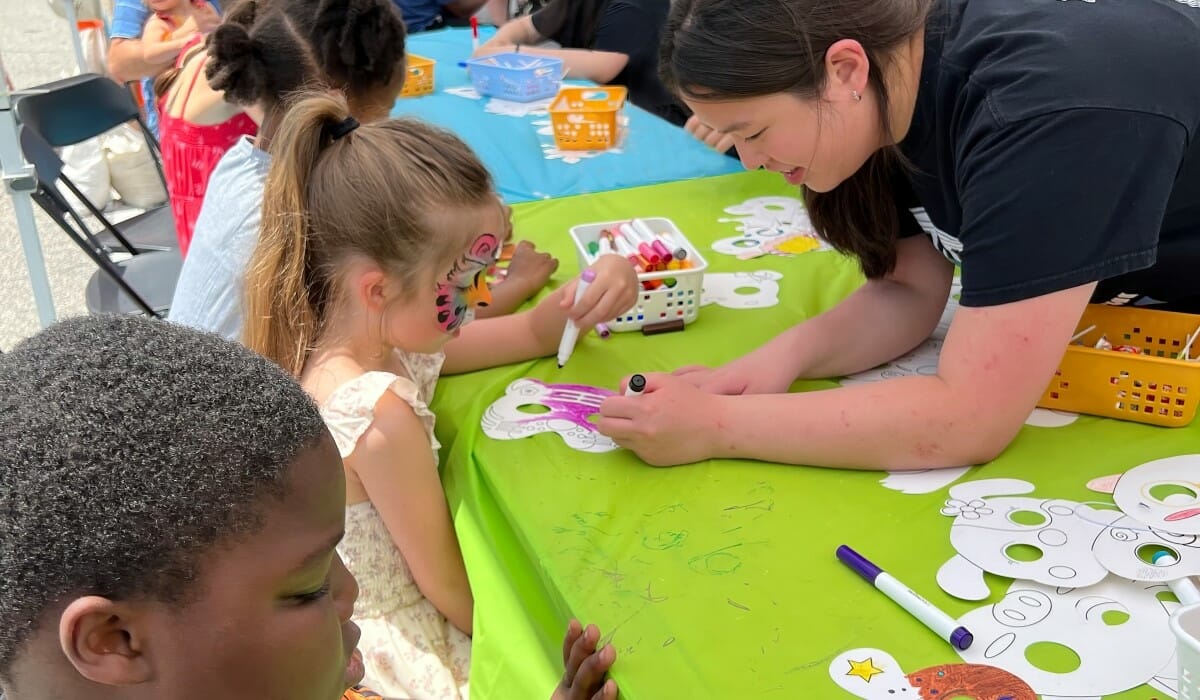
(76, 109)
(143, 283)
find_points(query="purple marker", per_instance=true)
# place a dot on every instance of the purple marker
(941, 623)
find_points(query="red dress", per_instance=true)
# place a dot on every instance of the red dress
(189, 153)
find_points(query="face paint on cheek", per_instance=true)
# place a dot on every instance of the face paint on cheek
(466, 284)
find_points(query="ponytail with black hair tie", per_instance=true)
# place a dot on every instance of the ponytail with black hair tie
(340, 129)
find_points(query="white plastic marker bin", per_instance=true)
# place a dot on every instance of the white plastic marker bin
(516, 77)
(677, 298)
(1185, 623)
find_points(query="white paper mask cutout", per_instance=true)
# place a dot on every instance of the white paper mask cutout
(721, 288)
(872, 674)
(1131, 550)
(1118, 630)
(1043, 540)
(1164, 494)
(923, 360)
(922, 480)
(764, 222)
(569, 406)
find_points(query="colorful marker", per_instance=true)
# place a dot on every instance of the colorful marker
(941, 623)
(637, 384)
(566, 346)
(603, 330)
(474, 33)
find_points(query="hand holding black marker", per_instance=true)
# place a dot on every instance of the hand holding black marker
(636, 385)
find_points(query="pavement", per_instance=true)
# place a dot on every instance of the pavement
(36, 48)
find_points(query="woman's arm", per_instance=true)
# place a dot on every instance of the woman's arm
(597, 66)
(994, 365)
(519, 31)
(395, 464)
(880, 321)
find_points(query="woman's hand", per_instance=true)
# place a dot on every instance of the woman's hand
(762, 371)
(611, 294)
(716, 140)
(671, 422)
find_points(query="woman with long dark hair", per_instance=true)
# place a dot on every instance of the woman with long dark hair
(1049, 149)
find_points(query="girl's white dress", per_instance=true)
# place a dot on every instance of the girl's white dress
(410, 649)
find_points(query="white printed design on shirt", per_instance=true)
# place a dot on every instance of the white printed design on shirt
(947, 245)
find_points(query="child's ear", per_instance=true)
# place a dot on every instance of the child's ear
(104, 641)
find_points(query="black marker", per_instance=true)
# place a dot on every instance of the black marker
(637, 384)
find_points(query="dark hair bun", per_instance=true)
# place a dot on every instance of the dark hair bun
(259, 65)
(358, 43)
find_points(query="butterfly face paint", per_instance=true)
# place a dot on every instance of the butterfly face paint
(465, 286)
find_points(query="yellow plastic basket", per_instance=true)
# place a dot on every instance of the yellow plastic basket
(585, 118)
(419, 80)
(1158, 386)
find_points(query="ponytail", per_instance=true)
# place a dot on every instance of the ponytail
(284, 297)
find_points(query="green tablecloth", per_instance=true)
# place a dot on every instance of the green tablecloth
(716, 580)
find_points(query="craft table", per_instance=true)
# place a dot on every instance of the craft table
(654, 151)
(715, 580)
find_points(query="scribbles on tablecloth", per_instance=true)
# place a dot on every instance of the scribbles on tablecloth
(667, 539)
(769, 226)
(873, 674)
(718, 562)
(995, 530)
(567, 409)
(741, 290)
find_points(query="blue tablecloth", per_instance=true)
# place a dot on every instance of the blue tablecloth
(654, 151)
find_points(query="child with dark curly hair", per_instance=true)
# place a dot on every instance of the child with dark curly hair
(170, 504)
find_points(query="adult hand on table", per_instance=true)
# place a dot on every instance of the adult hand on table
(716, 140)
(671, 422)
(757, 372)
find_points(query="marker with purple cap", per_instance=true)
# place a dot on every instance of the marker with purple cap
(941, 623)
(570, 335)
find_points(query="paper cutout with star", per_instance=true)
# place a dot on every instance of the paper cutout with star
(864, 669)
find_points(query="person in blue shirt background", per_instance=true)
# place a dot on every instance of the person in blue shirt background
(126, 61)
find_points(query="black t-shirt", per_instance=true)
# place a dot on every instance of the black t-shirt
(631, 27)
(1057, 142)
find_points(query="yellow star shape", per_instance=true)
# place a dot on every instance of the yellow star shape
(864, 669)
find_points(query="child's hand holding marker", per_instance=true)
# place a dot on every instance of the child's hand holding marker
(667, 422)
(611, 287)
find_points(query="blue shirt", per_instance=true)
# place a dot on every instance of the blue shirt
(128, 21)
(419, 14)
(208, 295)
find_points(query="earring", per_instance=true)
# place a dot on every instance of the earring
(857, 97)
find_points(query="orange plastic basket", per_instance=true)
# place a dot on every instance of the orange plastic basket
(585, 118)
(419, 80)
(1158, 386)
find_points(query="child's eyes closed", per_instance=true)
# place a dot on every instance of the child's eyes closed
(312, 596)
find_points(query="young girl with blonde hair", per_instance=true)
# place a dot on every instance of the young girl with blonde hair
(373, 255)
